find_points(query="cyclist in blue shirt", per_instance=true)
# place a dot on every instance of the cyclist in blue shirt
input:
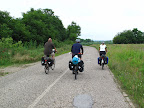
(76, 48)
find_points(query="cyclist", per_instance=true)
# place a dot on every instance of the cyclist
(102, 49)
(48, 49)
(75, 49)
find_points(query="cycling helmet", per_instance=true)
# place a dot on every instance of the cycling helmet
(77, 40)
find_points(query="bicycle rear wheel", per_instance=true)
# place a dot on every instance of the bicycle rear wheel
(102, 66)
(76, 71)
(47, 68)
(76, 75)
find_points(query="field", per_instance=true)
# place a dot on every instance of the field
(126, 61)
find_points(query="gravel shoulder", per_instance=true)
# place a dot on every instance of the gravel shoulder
(15, 68)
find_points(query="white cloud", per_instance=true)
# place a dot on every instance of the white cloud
(99, 19)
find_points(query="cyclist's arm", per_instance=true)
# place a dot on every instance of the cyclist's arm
(106, 49)
(54, 48)
(82, 49)
(99, 48)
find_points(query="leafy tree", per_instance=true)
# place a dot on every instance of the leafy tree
(37, 26)
(43, 24)
(5, 31)
(138, 36)
(4, 17)
(86, 40)
(5, 20)
(129, 37)
(20, 33)
(73, 31)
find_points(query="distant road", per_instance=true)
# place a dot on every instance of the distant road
(32, 88)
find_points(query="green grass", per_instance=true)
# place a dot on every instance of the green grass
(18, 53)
(126, 61)
(24, 55)
(13, 53)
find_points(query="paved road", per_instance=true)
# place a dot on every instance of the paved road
(32, 88)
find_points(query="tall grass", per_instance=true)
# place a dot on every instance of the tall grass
(126, 61)
(19, 53)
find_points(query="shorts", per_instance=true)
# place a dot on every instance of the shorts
(102, 52)
(52, 54)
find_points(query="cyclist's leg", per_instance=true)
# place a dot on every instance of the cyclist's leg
(53, 55)
(101, 52)
(105, 58)
(79, 55)
(73, 55)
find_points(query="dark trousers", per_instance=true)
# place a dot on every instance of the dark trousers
(102, 52)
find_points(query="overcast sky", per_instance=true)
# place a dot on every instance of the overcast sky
(98, 19)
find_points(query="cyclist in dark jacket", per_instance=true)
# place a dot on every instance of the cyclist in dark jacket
(76, 48)
(48, 47)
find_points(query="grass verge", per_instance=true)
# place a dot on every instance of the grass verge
(126, 61)
(12, 57)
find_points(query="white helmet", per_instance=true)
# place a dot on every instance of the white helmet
(102, 42)
(77, 40)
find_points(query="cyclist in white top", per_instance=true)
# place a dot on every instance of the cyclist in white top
(102, 49)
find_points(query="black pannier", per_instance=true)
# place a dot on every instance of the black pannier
(81, 66)
(49, 61)
(42, 61)
(71, 66)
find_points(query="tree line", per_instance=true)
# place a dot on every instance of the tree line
(134, 36)
(37, 26)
